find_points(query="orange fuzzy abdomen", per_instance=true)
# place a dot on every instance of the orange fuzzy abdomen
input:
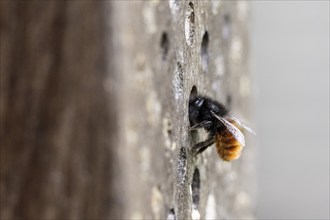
(228, 147)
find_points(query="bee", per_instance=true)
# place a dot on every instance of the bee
(223, 129)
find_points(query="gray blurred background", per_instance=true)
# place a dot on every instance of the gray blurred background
(290, 65)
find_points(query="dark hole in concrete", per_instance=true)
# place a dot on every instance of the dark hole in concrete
(226, 30)
(228, 101)
(191, 16)
(193, 93)
(195, 187)
(190, 24)
(227, 18)
(171, 214)
(191, 5)
(164, 44)
(204, 52)
(169, 129)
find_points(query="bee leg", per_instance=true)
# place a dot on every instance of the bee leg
(203, 124)
(200, 147)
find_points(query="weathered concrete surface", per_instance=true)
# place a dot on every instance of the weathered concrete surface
(166, 48)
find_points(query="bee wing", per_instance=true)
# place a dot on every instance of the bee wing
(242, 125)
(237, 134)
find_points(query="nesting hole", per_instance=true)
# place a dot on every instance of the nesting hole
(229, 101)
(193, 93)
(195, 188)
(164, 44)
(171, 215)
(192, 96)
(204, 51)
(190, 24)
(227, 18)
(169, 128)
(191, 5)
(191, 13)
(226, 30)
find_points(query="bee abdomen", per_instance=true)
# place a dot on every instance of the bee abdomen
(228, 148)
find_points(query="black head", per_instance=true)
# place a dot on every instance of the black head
(195, 106)
(200, 108)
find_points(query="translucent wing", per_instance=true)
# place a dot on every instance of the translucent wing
(237, 134)
(241, 124)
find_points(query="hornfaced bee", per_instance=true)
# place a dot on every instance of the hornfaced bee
(223, 129)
